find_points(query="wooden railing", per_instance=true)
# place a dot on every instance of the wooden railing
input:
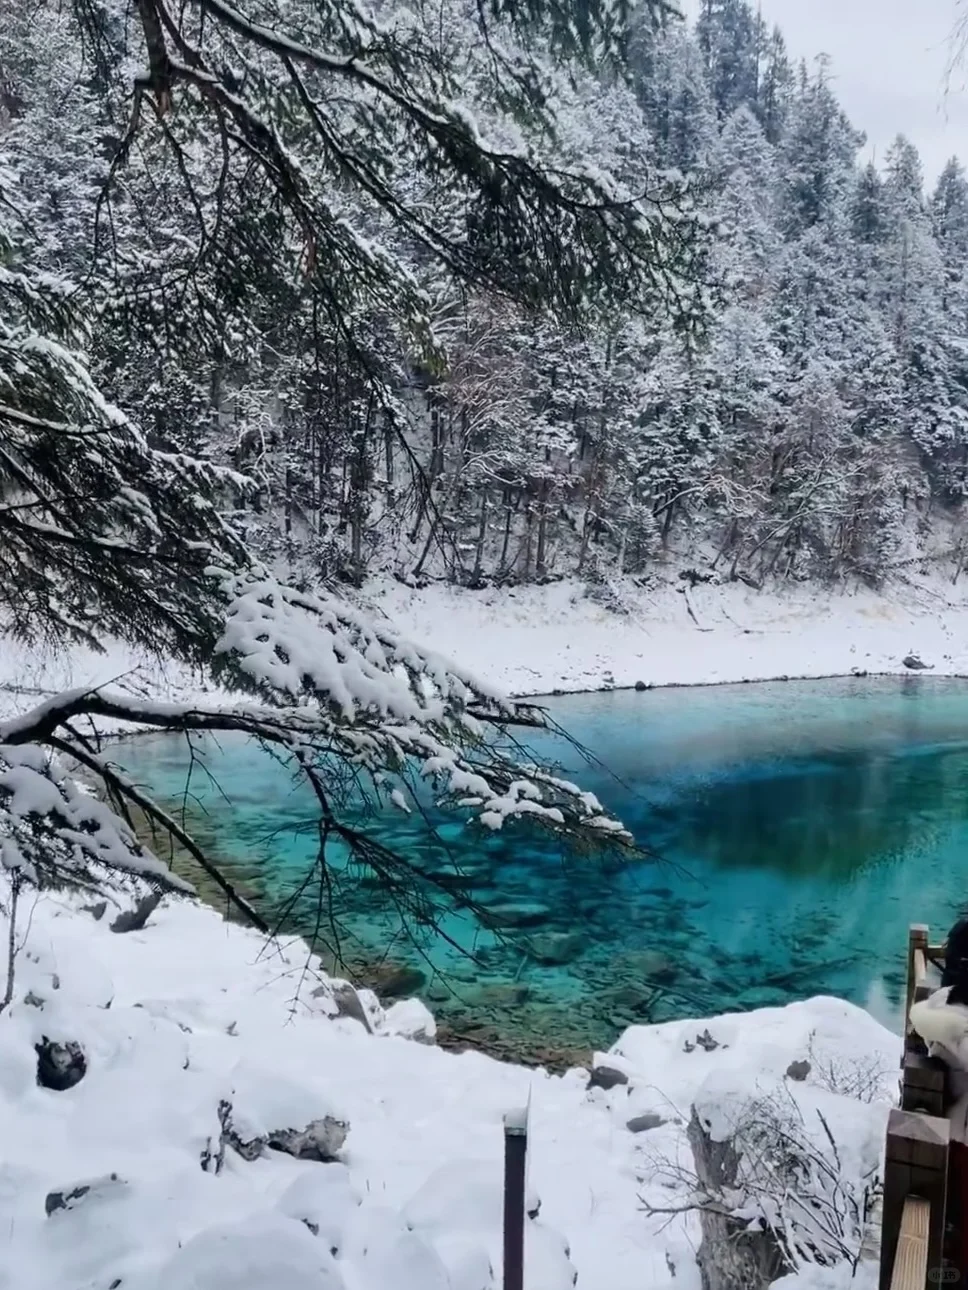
(916, 1157)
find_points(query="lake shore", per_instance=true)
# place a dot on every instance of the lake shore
(537, 640)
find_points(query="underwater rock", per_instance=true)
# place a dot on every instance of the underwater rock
(527, 914)
(633, 999)
(499, 994)
(553, 949)
(396, 980)
(647, 966)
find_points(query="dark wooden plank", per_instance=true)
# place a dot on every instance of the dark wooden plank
(923, 1084)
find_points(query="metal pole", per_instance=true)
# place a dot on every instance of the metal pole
(515, 1162)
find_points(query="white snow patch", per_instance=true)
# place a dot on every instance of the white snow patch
(532, 640)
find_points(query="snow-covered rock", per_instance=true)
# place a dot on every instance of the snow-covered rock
(325, 1200)
(252, 1254)
(411, 1019)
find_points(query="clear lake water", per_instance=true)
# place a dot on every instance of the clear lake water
(800, 827)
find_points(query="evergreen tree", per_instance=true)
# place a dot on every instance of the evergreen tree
(818, 154)
(776, 88)
(732, 40)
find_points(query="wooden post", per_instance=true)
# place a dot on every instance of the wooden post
(917, 959)
(515, 1164)
(922, 1077)
(915, 1164)
(923, 1082)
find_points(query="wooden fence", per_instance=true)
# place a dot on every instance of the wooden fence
(914, 1226)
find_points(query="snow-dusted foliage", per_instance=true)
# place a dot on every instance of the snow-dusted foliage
(778, 383)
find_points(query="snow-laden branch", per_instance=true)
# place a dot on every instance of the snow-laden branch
(339, 696)
(52, 831)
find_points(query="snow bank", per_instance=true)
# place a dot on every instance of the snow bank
(191, 1013)
(531, 640)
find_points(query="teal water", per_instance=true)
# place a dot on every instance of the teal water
(801, 826)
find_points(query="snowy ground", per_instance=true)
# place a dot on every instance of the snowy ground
(191, 1012)
(532, 640)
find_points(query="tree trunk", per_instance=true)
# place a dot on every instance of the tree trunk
(528, 543)
(388, 451)
(507, 530)
(481, 539)
(541, 556)
(729, 1256)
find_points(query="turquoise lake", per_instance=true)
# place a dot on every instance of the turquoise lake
(800, 827)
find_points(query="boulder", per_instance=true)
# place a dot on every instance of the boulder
(606, 1077)
(798, 1070)
(348, 1003)
(640, 686)
(59, 1066)
(410, 1019)
(267, 1249)
(642, 1123)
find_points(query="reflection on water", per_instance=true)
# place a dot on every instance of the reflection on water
(802, 827)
